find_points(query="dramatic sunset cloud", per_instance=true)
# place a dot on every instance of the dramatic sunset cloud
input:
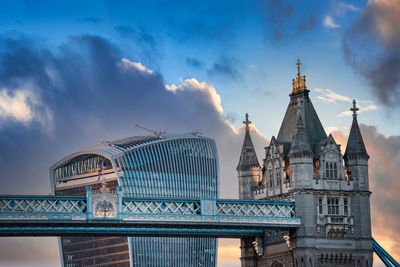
(112, 88)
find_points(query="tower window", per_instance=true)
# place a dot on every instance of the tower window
(331, 169)
(345, 206)
(320, 205)
(271, 180)
(278, 178)
(333, 206)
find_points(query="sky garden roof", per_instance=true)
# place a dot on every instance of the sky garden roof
(117, 155)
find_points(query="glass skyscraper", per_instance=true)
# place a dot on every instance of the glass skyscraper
(166, 166)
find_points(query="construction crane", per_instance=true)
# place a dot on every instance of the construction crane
(158, 134)
(196, 132)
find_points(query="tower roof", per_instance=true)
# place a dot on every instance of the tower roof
(355, 143)
(300, 142)
(315, 133)
(248, 156)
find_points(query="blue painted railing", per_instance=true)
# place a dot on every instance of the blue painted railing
(105, 212)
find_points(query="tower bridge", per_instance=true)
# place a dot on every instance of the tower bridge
(157, 200)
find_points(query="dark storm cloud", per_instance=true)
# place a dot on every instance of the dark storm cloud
(377, 32)
(147, 43)
(226, 67)
(284, 20)
(307, 23)
(194, 62)
(92, 95)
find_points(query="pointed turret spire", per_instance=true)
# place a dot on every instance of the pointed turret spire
(314, 130)
(248, 156)
(355, 144)
(300, 144)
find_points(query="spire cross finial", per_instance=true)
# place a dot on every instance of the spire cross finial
(247, 122)
(354, 108)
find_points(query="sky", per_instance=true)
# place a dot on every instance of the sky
(75, 73)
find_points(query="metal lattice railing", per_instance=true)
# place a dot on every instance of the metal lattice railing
(255, 209)
(42, 205)
(156, 207)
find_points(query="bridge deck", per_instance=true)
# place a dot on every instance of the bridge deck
(112, 214)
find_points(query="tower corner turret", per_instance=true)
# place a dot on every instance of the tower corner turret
(248, 167)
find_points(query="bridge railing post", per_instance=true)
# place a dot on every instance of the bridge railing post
(119, 192)
(208, 207)
(89, 207)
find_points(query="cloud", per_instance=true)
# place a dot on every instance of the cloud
(384, 170)
(284, 20)
(328, 22)
(330, 96)
(16, 106)
(340, 8)
(331, 129)
(194, 85)
(307, 23)
(226, 67)
(127, 64)
(145, 43)
(228, 252)
(193, 62)
(377, 31)
(361, 109)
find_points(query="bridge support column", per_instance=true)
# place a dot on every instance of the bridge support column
(119, 191)
(89, 207)
(248, 252)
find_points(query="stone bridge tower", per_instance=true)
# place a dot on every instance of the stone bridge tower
(331, 191)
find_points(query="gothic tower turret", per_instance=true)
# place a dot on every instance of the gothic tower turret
(356, 162)
(248, 167)
(356, 156)
(301, 156)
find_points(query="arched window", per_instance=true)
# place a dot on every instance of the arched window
(331, 169)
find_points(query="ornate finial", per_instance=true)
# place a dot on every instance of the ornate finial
(354, 109)
(298, 66)
(299, 84)
(247, 122)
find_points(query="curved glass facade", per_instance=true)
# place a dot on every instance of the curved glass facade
(183, 168)
(176, 166)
